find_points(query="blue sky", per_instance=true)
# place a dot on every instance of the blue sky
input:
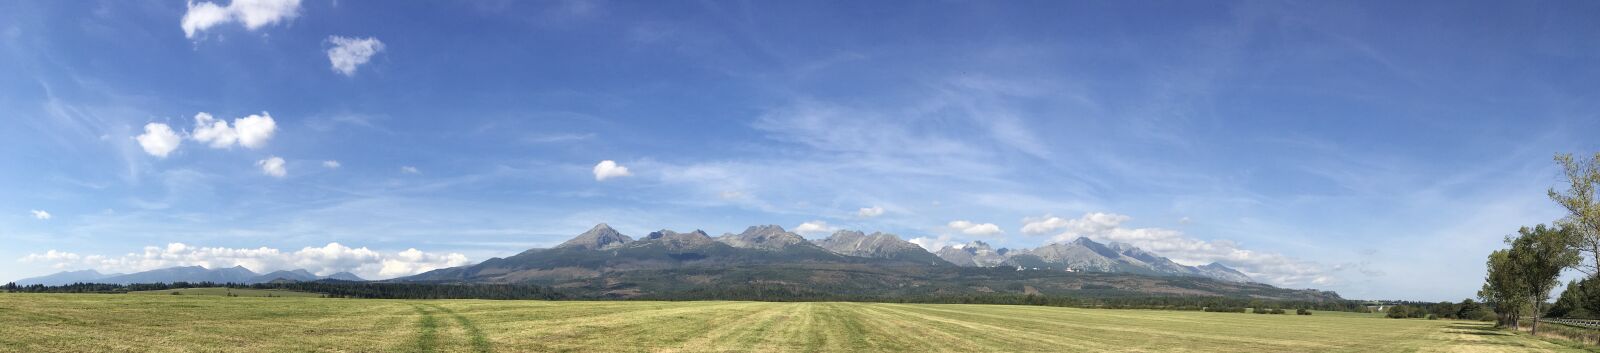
(1378, 149)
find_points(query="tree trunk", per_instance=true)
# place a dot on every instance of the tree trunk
(1536, 316)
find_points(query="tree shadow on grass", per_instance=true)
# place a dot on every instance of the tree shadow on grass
(1471, 329)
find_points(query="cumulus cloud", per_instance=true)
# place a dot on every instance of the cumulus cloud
(409, 170)
(814, 228)
(1107, 227)
(869, 212)
(608, 169)
(255, 130)
(158, 140)
(213, 132)
(252, 14)
(1093, 222)
(349, 53)
(272, 166)
(325, 260)
(413, 261)
(979, 229)
(934, 244)
(330, 164)
(251, 131)
(40, 214)
(56, 259)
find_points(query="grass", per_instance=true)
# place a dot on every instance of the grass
(219, 291)
(184, 323)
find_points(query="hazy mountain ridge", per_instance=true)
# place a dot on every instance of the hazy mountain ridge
(66, 277)
(236, 274)
(1085, 255)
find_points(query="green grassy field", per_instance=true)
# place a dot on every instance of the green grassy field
(234, 291)
(197, 323)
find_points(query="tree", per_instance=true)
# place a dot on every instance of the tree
(1399, 312)
(1583, 210)
(1538, 255)
(1584, 296)
(1470, 310)
(1502, 289)
(1568, 304)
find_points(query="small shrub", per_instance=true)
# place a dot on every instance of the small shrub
(1302, 312)
(177, 293)
(1277, 311)
(1433, 317)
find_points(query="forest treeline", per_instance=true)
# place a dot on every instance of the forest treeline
(1522, 276)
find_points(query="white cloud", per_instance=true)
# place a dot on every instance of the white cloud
(814, 228)
(869, 212)
(326, 260)
(409, 170)
(1094, 222)
(213, 132)
(349, 53)
(252, 14)
(980, 229)
(330, 164)
(934, 244)
(272, 166)
(56, 259)
(251, 131)
(158, 140)
(608, 169)
(40, 214)
(255, 130)
(1261, 266)
(412, 261)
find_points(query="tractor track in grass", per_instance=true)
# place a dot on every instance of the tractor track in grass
(427, 331)
(480, 343)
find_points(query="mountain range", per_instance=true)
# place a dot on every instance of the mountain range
(236, 274)
(603, 262)
(770, 262)
(1086, 255)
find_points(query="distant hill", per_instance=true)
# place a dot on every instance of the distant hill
(770, 262)
(69, 277)
(237, 274)
(300, 275)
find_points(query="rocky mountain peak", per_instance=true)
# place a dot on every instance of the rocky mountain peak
(678, 241)
(1223, 272)
(767, 237)
(601, 237)
(977, 244)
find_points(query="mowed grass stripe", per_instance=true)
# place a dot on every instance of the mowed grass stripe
(1087, 328)
(985, 334)
(657, 326)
